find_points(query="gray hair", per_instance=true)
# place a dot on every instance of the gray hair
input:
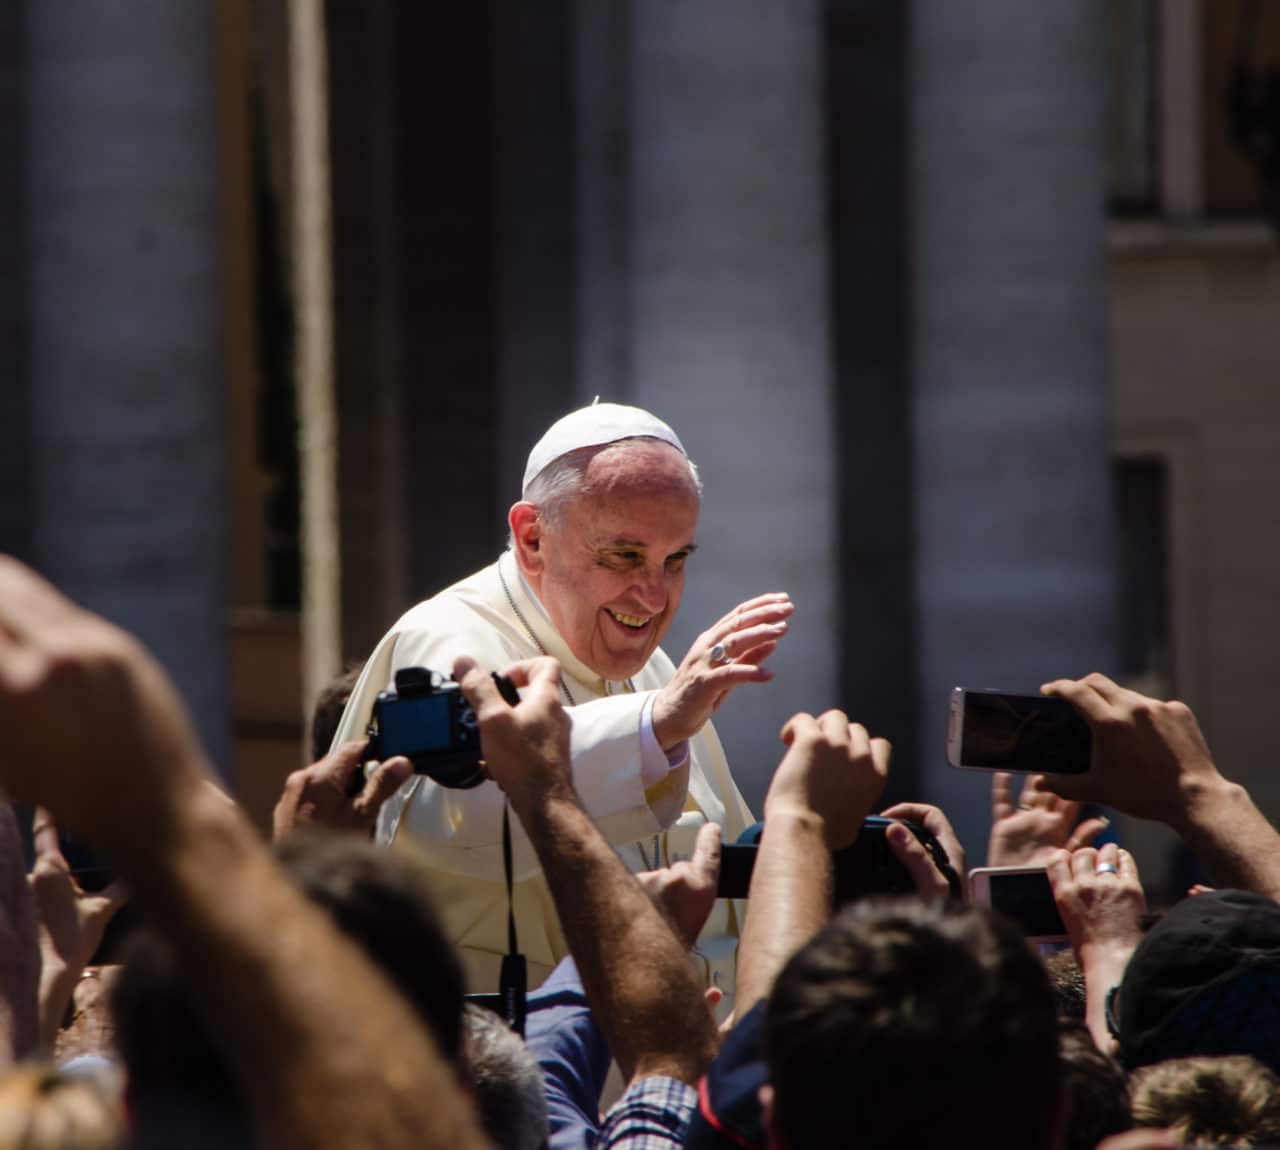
(506, 1081)
(565, 477)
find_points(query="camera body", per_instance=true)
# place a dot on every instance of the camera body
(428, 720)
(869, 867)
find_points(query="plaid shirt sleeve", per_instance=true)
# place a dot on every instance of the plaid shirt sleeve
(651, 1115)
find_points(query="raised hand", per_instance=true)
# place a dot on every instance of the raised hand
(686, 890)
(723, 657)
(1100, 899)
(1028, 832)
(928, 879)
(832, 769)
(526, 747)
(321, 794)
(92, 724)
(1149, 757)
(70, 924)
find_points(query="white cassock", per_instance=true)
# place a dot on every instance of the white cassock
(493, 617)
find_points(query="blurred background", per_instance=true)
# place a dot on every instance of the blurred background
(970, 314)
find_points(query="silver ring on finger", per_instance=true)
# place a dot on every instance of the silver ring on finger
(1107, 868)
(718, 655)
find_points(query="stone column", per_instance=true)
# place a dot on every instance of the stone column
(15, 462)
(125, 328)
(704, 272)
(1011, 398)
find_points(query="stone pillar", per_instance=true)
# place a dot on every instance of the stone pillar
(704, 206)
(15, 462)
(1011, 398)
(125, 328)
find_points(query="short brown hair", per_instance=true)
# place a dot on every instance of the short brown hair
(1229, 1101)
(326, 716)
(905, 1023)
(43, 1108)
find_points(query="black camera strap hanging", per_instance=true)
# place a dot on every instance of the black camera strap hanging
(513, 983)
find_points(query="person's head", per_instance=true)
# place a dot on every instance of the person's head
(909, 1024)
(376, 897)
(326, 716)
(603, 532)
(1232, 1101)
(43, 1108)
(382, 900)
(1097, 1093)
(505, 1081)
(1204, 981)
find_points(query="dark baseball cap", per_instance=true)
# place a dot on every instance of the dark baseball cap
(1204, 981)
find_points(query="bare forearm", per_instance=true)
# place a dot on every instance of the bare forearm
(789, 903)
(1232, 838)
(1103, 968)
(316, 1036)
(641, 986)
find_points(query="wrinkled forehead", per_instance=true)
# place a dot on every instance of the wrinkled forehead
(638, 466)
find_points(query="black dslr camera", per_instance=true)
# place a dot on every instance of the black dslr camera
(429, 721)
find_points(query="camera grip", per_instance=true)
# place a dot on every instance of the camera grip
(506, 688)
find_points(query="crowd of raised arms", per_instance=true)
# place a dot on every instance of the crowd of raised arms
(303, 994)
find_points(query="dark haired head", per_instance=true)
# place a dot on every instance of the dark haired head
(326, 715)
(903, 1023)
(376, 897)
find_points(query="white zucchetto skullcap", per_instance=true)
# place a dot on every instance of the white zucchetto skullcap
(595, 426)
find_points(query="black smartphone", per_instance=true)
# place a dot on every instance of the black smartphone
(999, 731)
(1022, 894)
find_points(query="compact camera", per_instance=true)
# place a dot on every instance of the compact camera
(429, 721)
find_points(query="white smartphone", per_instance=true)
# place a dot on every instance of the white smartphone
(1023, 894)
(1001, 731)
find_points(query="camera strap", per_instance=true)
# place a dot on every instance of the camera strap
(513, 983)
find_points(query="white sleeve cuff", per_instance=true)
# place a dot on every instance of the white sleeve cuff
(655, 763)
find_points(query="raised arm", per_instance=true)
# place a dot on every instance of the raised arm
(318, 1038)
(1101, 901)
(1151, 761)
(638, 979)
(827, 783)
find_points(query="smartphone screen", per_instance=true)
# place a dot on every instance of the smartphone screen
(1027, 898)
(998, 731)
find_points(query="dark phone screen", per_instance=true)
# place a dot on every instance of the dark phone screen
(736, 864)
(416, 724)
(1028, 900)
(1037, 733)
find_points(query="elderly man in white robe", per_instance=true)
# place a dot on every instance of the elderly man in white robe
(593, 576)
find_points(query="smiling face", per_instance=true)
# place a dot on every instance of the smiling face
(608, 565)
